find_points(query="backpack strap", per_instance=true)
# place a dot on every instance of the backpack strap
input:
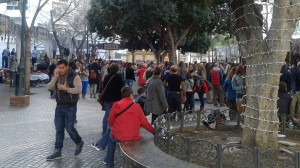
(124, 110)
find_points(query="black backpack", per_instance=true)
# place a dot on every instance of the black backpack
(211, 118)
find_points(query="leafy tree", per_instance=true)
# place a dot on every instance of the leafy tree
(172, 21)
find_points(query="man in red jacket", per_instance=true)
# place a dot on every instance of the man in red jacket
(142, 70)
(125, 120)
(216, 78)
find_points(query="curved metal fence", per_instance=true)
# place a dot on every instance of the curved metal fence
(206, 153)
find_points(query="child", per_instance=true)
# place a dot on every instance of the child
(141, 99)
(190, 101)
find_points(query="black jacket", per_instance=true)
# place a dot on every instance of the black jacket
(64, 98)
(283, 103)
(130, 74)
(113, 91)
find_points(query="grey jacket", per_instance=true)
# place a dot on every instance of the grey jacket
(156, 102)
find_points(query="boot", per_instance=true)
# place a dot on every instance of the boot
(201, 109)
(94, 95)
(78, 148)
(55, 155)
(83, 96)
(91, 95)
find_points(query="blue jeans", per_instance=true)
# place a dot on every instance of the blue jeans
(84, 87)
(110, 153)
(106, 107)
(201, 98)
(129, 82)
(4, 61)
(65, 117)
(102, 142)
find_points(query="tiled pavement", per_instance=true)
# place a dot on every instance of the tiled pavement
(27, 134)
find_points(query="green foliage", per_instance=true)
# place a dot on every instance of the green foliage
(143, 23)
(198, 43)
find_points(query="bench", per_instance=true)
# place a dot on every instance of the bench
(144, 154)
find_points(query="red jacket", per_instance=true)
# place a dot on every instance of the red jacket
(215, 77)
(141, 72)
(127, 125)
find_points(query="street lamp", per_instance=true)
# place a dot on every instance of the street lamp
(21, 68)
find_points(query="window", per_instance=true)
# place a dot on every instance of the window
(12, 5)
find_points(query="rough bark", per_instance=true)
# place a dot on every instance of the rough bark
(79, 46)
(27, 59)
(28, 35)
(264, 57)
(133, 56)
(94, 48)
(58, 43)
(175, 38)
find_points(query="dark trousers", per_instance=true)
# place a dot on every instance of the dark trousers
(190, 101)
(4, 62)
(65, 117)
(201, 98)
(153, 118)
(174, 101)
(218, 92)
(13, 79)
(33, 60)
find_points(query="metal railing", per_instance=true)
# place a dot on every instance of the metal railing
(206, 153)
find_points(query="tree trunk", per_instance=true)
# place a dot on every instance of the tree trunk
(79, 47)
(28, 62)
(59, 45)
(94, 47)
(133, 56)
(78, 53)
(173, 56)
(264, 57)
(174, 41)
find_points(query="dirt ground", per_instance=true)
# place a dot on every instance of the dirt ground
(227, 135)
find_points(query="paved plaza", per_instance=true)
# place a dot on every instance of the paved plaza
(28, 133)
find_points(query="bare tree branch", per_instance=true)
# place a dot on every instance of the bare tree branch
(39, 8)
(68, 10)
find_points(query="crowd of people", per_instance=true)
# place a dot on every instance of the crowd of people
(163, 88)
(289, 94)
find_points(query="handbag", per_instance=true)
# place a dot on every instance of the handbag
(208, 84)
(100, 97)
